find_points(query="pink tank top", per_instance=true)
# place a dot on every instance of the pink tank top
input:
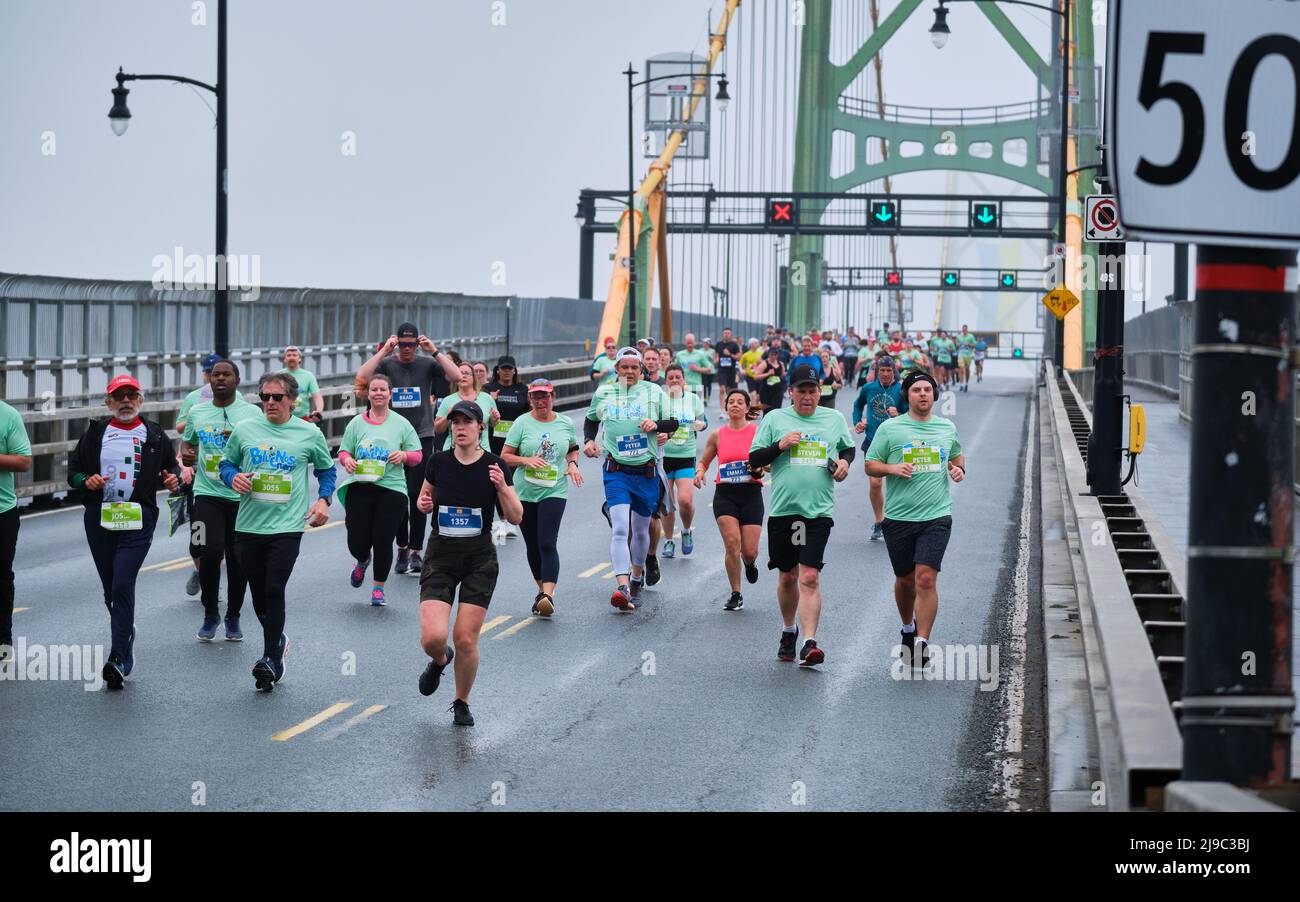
(733, 453)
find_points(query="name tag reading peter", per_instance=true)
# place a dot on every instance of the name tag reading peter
(924, 458)
(459, 522)
(636, 443)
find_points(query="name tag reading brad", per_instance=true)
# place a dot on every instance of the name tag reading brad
(276, 488)
(459, 522)
(121, 515)
(736, 471)
(924, 458)
(406, 397)
(635, 443)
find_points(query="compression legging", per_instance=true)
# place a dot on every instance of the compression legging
(622, 518)
(541, 527)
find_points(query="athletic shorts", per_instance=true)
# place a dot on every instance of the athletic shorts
(965, 359)
(447, 565)
(916, 542)
(744, 502)
(979, 356)
(753, 384)
(641, 492)
(679, 467)
(796, 540)
(727, 376)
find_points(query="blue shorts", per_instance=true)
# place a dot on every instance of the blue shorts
(642, 492)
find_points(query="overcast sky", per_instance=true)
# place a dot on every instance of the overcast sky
(472, 138)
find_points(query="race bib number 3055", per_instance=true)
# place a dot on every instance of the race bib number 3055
(276, 488)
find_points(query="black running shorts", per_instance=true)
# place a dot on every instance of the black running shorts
(744, 502)
(916, 542)
(447, 566)
(796, 540)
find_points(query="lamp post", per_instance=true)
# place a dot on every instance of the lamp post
(939, 34)
(119, 118)
(723, 98)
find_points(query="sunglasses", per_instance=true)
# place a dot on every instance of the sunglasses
(277, 397)
(408, 344)
(127, 394)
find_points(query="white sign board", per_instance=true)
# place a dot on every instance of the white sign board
(1203, 119)
(1101, 218)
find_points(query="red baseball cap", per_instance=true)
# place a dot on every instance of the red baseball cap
(123, 381)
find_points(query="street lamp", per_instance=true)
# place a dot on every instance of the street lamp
(939, 34)
(723, 99)
(119, 117)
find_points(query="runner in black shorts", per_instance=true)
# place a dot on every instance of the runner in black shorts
(461, 487)
(738, 495)
(918, 453)
(728, 365)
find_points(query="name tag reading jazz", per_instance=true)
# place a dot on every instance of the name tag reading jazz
(459, 522)
(121, 515)
(406, 397)
(809, 453)
(276, 488)
(924, 458)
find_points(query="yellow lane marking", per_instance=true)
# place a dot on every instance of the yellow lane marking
(315, 720)
(609, 575)
(329, 525)
(179, 560)
(20, 610)
(352, 722)
(592, 571)
(493, 624)
(181, 566)
(514, 629)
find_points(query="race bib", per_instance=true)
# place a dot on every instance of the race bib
(773, 380)
(212, 464)
(121, 515)
(736, 471)
(925, 458)
(726, 361)
(369, 470)
(459, 522)
(502, 428)
(405, 398)
(682, 435)
(546, 477)
(636, 443)
(826, 391)
(276, 488)
(809, 453)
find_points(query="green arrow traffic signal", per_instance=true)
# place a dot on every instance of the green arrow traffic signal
(951, 279)
(1008, 280)
(985, 215)
(1017, 353)
(884, 215)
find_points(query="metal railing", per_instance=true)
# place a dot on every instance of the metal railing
(917, 115)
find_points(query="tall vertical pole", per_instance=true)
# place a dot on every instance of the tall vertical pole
(1062, 168)
(221, 309)
(586, 245)
(631, 217)
(1237, 697)
(1105, 454)
(1180, 273)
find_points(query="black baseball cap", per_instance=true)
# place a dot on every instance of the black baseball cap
(804, 373)
(507, 360)
(467, 408)
(914, 378)
(407, 330)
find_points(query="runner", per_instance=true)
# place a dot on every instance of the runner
(801, 444)
(377, 448)
(200, 394)
(877, 401)
(481, 374)
(602, 368)
(695, 364)
(265, 461)
(770, 373)
(981, 348)
(938, 348)
(651, 370)
(832, 377)
(627, 413)
(679, 460)
(918, 453)
(418, 383)
(15, 457)
(117, 465)
(965, 356)
(311, 403)
(469, 389)
(849, 359)
(212, 527)
(808, 355)
(537, 442)
(748, 360)
(665, 357)
(707, 378)
(463, 485)
(511, 397)
(737, 493)
(727, 354)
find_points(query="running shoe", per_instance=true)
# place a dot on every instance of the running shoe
(734, 603)
(377, 599)
(416, 565)
(233, 632)
(112, 673)
(432, 675)
(460, 714)
(785, 651)
(208, 631)
(359, 574)
(810, 654)
(543, 605)
(129, 664)
(925, 656)
(908, 641)
(688, 541)
(403, 560)
(635, 587)
(877, 532)
(670, 549)
(622, 599)
(751, 571)
(651, 570)
(264, 674)
(192, 587)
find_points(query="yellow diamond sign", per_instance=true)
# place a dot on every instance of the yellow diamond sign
(1060, 300)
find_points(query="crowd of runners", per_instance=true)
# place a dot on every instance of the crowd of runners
(473, 455)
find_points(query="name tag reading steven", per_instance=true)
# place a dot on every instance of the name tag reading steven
(121, 515)
(809, 453)
(459, 522)
(405, 398)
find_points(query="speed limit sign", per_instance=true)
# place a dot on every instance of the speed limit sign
(1203, 119)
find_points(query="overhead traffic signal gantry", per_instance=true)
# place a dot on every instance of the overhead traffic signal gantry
(985, 216)
(782, 212)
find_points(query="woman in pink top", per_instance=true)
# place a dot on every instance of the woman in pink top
(738, 495)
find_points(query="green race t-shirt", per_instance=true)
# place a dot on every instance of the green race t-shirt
(485, 403)
(966, 345)
(277, 456)
(620, 410)
(306, 388)
(370, 444)
(699, 358)
(198, 396)
(549, 441)
(928, 446)
(605, 366)
(801, 483)
(13, 440)
(209, 426)
(686, 410)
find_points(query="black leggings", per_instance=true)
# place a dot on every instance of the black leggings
(212, 538)
(410, 529)
(541, 528)
(8, 547)
(373, 515)
(267, 561)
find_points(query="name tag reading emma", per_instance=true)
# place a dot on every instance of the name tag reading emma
(406, 397)
(736, 471)
(121, 515)
(459, 522)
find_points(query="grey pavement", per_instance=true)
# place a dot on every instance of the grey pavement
(677, 706)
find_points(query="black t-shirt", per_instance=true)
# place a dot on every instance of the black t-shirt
(725, 349)
(464, 498)
(415, 389)
(512, 400)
